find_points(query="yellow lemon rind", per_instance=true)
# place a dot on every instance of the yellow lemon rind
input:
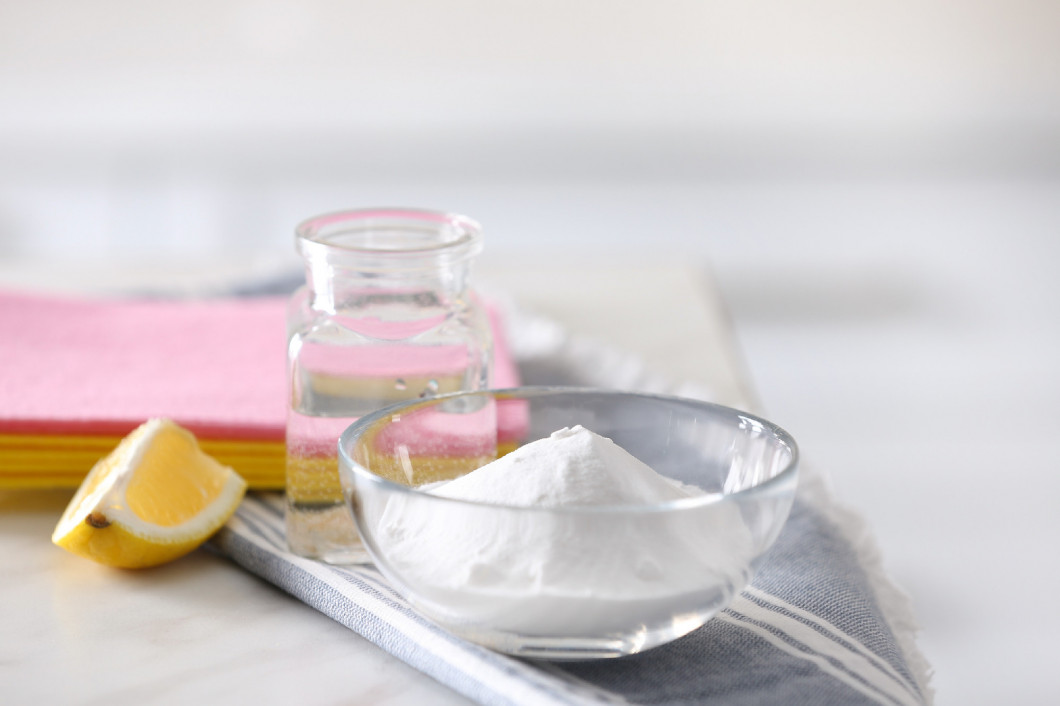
(97, 525)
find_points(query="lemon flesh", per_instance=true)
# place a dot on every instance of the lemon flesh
(156, 497)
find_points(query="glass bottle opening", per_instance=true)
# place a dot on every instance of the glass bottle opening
(398, 234)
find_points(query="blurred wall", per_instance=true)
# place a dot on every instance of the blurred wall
(155, 129)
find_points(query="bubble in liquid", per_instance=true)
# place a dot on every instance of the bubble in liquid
(431, 389)
(399, 384)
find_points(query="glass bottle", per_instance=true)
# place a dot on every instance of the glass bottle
(386, 314)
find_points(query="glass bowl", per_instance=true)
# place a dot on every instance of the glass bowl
(568, 582)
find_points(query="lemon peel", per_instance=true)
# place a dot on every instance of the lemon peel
(156, 497)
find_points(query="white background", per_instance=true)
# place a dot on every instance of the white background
(875, 185)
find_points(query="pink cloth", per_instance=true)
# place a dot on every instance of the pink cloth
(103, 366)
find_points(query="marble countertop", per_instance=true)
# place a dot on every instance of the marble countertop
(201, 628)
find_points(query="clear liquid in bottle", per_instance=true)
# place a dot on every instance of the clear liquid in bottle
(338, 373)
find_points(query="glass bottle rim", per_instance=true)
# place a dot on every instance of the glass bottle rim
(399, 233)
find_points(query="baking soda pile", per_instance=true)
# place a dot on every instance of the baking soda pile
(574, 466)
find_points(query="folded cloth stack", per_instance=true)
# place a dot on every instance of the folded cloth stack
(80, 374)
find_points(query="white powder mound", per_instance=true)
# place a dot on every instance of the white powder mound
(574, 466)
(530, 569)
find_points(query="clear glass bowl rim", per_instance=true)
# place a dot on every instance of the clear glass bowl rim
(357, 428)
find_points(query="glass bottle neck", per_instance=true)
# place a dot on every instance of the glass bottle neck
(341, 289)
(358, 259)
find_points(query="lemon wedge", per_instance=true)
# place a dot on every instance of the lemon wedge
(156, 497)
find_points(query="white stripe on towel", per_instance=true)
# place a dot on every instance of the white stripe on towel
(851, 642)
(852, 669)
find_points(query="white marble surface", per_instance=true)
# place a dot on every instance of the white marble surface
(200, 629)
(196, 630)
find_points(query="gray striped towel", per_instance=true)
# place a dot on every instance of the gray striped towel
(820, 624)
(808, 630)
